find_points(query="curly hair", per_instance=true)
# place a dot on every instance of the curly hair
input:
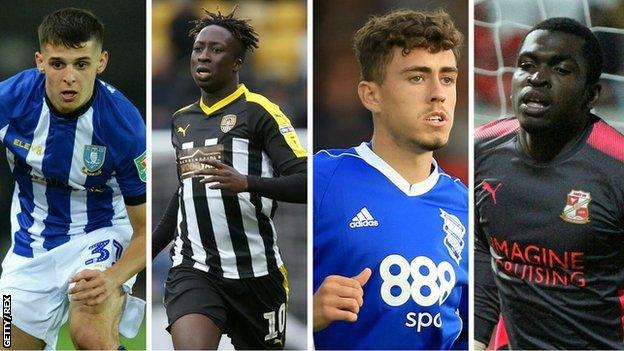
(240, 28)
(407, 29)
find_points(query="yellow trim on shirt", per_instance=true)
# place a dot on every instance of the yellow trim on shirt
(223, 102)
(283, 123)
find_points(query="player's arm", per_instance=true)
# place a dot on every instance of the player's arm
(289, 187)
(339, 298)
(93, 286)
(486, 302)
(272, 129)
(165, 230)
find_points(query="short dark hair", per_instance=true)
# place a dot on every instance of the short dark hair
(407, 29)
(240, 28)
(70, 27)
(591, 49)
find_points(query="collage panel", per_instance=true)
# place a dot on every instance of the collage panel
(73, 174)
(390, 204)
(549, 178)
(229, 93)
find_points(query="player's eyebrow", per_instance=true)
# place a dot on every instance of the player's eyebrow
(427, 69)
(81, 58)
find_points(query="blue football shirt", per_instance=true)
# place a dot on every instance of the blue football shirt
(73, 172)
(412, 236)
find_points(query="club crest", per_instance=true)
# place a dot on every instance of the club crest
(93, 158)
(576, 209)
(455, 231)
(227, 123)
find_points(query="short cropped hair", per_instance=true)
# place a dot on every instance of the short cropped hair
(407, 29)
(240, 28)
(591, 49)
(70, 27)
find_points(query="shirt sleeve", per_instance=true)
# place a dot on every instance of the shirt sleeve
(279, 139)
(17, 94)
(131, 170)
(486, 302)
(165, 230)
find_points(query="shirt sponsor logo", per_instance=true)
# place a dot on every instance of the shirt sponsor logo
(455, 231)
(576, 209)
(93, 158)
(538, 264)
(227, 123)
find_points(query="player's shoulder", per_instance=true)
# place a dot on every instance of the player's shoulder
(114, 102)
(332, 158)
(454, 190)
(259, 107)
(606, 139)
(194, 107)
(495, 133)
(24, 84)
(118, 115)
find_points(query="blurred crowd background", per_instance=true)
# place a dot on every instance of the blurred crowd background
(339, 119)
(277, 70)
(500, 26)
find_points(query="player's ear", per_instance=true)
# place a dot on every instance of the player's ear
(593, 94)
(369, 95)
(102, 62)
(39, 62)
(237, 64)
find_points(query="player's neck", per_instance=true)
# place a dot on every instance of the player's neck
(545, 146)
(413, 166)
(212, 97)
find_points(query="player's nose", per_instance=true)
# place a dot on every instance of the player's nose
(437, 92)
(69, 76)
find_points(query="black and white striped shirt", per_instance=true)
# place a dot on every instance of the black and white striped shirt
(231, 235)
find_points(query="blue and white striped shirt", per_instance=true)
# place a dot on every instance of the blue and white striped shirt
(72, 172)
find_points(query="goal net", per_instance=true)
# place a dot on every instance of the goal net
(499, 27)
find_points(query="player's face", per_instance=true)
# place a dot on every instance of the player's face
(70, 73)
(549, 84)
(214, 61)
(417, 98)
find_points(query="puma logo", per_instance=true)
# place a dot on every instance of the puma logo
(489, 189)
(183, 130)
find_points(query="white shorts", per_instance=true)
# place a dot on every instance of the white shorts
(39, 286)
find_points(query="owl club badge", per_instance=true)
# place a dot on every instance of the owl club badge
(93, 158)
(576, 209)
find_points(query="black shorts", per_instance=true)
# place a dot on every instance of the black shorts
(251, 311)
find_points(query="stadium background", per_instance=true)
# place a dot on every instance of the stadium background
(276, 70)
(340, 120)
(499, 28)
(125, 42)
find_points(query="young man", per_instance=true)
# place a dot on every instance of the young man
(237, 153)
(390, 260)
(549, 213)
(76, 147)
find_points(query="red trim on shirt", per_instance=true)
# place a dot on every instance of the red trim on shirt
(497, 128)
(606, 139)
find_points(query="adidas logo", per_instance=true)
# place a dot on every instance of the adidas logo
(363, 219)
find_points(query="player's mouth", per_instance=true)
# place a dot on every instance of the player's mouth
(534, 103)
(437, 118)
(68, 95)
(203, 72)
